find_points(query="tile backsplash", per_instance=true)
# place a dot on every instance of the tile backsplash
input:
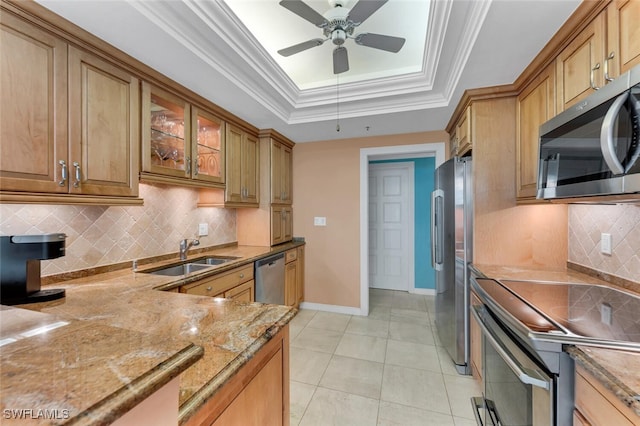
(102, 235)
(588, 222)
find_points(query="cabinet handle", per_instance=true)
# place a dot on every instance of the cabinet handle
(593, 86)
(209, 288)
(241, 275)
(76, 165)
(188, 164)
(606, 67)
(196, 169)
(63, 182)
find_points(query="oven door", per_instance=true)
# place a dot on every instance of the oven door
(517, 391)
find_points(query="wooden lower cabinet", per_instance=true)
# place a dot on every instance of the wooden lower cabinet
(257, 395)
(236, 284)
(595, 405)
(294, 276)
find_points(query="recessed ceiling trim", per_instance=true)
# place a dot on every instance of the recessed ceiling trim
(477, 15)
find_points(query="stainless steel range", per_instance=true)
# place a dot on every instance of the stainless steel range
(527, 377)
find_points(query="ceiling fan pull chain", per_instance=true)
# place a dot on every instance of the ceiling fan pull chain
(337, 102)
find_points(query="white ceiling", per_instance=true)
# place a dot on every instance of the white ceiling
(226, 52)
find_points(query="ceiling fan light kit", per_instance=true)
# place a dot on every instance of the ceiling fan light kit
(338, 24)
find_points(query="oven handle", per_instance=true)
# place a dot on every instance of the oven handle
(525, 375)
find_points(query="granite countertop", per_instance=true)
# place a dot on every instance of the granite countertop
(617, 370)
(114, 330)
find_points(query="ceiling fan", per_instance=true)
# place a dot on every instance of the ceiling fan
(337, 25)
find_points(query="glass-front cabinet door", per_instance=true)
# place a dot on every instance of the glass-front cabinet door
(207, 146)
(166, 133)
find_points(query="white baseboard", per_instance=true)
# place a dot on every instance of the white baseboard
(425, 291)
(337, 309)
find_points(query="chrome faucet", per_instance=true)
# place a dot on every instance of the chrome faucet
(185, 245)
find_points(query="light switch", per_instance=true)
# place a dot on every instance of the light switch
(605, 243)
(319, 221)
(203, 229)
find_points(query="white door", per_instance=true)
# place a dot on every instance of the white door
(391, 226)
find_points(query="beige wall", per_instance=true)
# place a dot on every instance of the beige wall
(587, 222)
(101, 235)
(326, 178)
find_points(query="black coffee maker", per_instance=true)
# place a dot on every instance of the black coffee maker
(20, 257)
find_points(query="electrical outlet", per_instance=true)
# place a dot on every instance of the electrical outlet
(203, 229)
(319, 221)
(605, 243)
(605, 313)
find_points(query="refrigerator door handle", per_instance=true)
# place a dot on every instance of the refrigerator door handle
(437, 198)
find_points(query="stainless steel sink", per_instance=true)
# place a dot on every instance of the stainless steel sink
(192, 266)
(213, 260)
(184, 269)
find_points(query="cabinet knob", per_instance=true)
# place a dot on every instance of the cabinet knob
(209, 288)
(241, 275)
(187, 162)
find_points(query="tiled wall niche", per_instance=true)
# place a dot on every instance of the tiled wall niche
(101, 235)
(587, 222)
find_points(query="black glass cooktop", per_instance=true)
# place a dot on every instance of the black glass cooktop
(587, 310)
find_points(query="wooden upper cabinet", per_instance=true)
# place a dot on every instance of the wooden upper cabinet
(243, 164)
(623, 36)
(182, 144)
(580, 66)
(70, 121)
(33, 101)
(535, 105)
(104, 127)
(281, 171)
(463, 133)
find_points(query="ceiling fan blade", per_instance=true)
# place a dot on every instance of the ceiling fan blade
(379, 41)
(304, 11)
(363, 9)
(297, 48)
(340, 60)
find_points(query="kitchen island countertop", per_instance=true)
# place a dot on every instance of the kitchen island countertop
(123, 314)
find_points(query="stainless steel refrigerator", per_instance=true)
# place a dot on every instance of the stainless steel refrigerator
(451, 252)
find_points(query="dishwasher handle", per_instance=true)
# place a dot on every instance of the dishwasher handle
(269, 261)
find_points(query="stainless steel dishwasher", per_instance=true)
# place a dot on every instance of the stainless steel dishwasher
(269, 274)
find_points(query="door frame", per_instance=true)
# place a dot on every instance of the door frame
(436, 150)
(409, 167)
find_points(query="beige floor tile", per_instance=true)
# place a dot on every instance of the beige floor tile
(460, 389)
(391, 414)
(459, 421)
(446, 363)
(413, 355)
(414, 302)
(301, 394)
(380, 298)
(294, 330)
(362, 347)
(416, 388)
(410, 316)
(380, 312)
(368, 327)
(409, 332)
(330, 321)
(303, 317)
(330, 407)
(317, 339)
(307, 366)
(354, 376)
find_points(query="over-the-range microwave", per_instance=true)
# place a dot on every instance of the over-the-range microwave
(593, 148)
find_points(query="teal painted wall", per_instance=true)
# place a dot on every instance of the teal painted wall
(424, 169)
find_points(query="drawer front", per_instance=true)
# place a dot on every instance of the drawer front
(220, 283)
(594, 405)
(290, 255)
